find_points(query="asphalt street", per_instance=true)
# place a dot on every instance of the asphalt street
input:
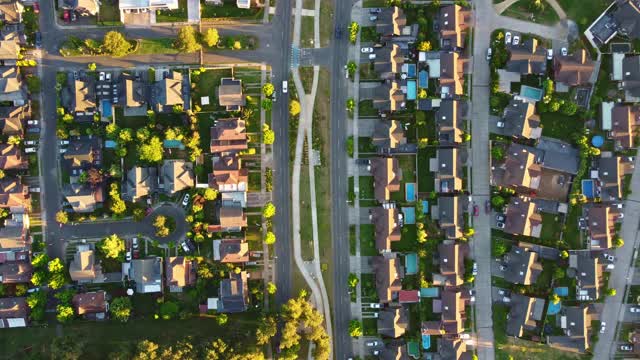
(339, 225)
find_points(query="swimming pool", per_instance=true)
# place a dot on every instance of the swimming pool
(423, 79)
(107, 109)
(173, 144)
(597, 141)
(561, 291)
(110, 144)
(587, 189)
(432, 292)
(410, 192)
(411, 263)
(411, 90)
(425, 207)
(409, 215)
(554, 308)
(531, 93)
(426, 341)
(411, 70)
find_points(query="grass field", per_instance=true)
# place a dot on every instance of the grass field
(522, 10)
(584, 12)
(155, 46)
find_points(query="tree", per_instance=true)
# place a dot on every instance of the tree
(39, 278)
(143, 134)
(353, 280)
(351, 104)
(355, 328)
(352, 67)
(21, 290)
(186, 41)
(146, 350)
(294, 108)
(611, 292)
(112, 246)
(270, 238)
(267, 104)
(57, 280)
(555, 299)
(64, 313)
(211, 37)
(2, 174)
(237, 45)
(569, 108)
(559, 273)
(269, 210)
(125, 135)
(160, 223)
(497, 153)
(618, 242)
(40, 261)
(55, 266)
(497, 202)
(354, 28)
(564, 254)
(268, 135)
(62, 217)
(210, 194)
(115, 44)
(66, 348)
(271, 288)
(499, 247)
(268, 89)
(422, 94)
(151, 151)
(267, 328)
(424, 46)
(222, 319)
(120, 308)
(92, 66)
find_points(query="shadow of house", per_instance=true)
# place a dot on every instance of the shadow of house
(84, 198)
(524, 314)
(13, 312)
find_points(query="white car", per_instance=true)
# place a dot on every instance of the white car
(34, 189)
(108, 76)
(376, 352)
(564, 51)
(101, 76)
(634, 309)
(500, 225)
(33, 122)
(603, 327)
(374, 306)
(285, 86)
(366, 50)
(500, 124)
(372, 56)
(134, 243)
(507, 38)
(30, 150)
(516, 39)
(128, 256)
(373, 18)
(372, 343)
(63, 142)
(63, 150)
(31, 142)
(626, 347)
(465, 336)
(474, 272)
(489, 53)
(549, 54)
(185, 201)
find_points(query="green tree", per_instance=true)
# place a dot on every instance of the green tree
(115, 44)
(267, 328)
(294, 108)
(351, 68)
(268, 89)
(267, 104)
(57, 280)
(112, 131)
(555, 299)
(497, 153)
(169, 310)
(211, 37)
(269, 210)
(66, 348)
(112, 246)
(146, 350)
(65, 296)
(138, 214)
(351, 104)
(618, 242)
(424, 46)
(559, 273)
(271, 288)
(270, 238)
(186, 40)
(422, 94)
(21, 290)
(55, 266)
(499, 247)
(611, 292)
(151, 151)
(2, 174)
(210, 194)
(40, 261)
(125, 136)
(497, 202)
(564, 254)
(353, 280)
(268, 135)
(569, 108)
(92, 66)
(222, 319)
(62, 217)
(355, 328)
(120, 308)
(64, 313)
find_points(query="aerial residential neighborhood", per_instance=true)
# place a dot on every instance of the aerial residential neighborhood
(260, 179)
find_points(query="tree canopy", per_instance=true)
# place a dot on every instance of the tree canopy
(112, 246)
(152, 150)
(120, 308)
(115, 44)
(211, 37)
(186, 41)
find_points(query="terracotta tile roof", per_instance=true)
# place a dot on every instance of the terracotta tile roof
(232, 217)
(229, 135)
(90, 303)
(228, 174)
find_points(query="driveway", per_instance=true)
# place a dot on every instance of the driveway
(193, 11)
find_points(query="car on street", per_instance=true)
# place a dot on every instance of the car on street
(507, 38)
(66, 16)
(36, 7)
(373, 18)
(603, 327)
(185, 201)
(372, 343)
(63, 142)
(372, 56)
(31, 142)
(38, 40)
(487, 207)
(634, 309)
(564, 51)
(107, 76)
(134, 243)
(63, 150)
(375, 11)
(128, 256)
(626, 347)
(516, 39)
(500, 225)
(185, 247)
(366, 50)
(374, 306)
(30, 150)
(33, 122)
(35, 189)
(549, 54)
(489, 54)
(74, 17)
(285, 86)
(474, 271)
(476, 210)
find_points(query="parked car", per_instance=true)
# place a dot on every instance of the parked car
(516, 39)
(285, 86)
(634, 309)
(500, 225)
(372, 343)
(626, 347)
(363, 161)
(609, 257)
(134, 243)
(63, 142)
(36, 7)
(366, 50)
(549, 54)
(500, 218)
(30, 150)
(507, 38)
(376, 352)
(465, 336)
(564, 51)
(128, 256)
(500, 124)
(487, 207)
(372, 56)
(33, 130)
(66, 16)
(101, 76)
(33, 122)
(107, 76)
(35, 189)
(489, 53)
(38, 40)
(603, 327)
(506, 299)
(63, 150)
(31, 142)
(474, 272)
(374, 306)
(375, 11)
(185, 201)
(185, 247)
(373, 18)
(74, 17)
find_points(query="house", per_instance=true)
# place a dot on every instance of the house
(611, 173)
(85, 267)
(522, 266)
(576, 323)
(13, 194)
(387, 229)
(386, 177)
(449, 122)
(15, 272)
(11, 118)
(169, 91)
(84, 198)
(408, 296)
(389, 273)
(393, 321)
(391, 21)
(389, 97)
(451, 258)
(394, 351)
(527, 58)
(522, 219)
(388, 61)
(520, 168)
(627, 18)
(230, 94)
(12, 158)
(234, 293)
(229, 135)
(451, 74)
(231, 251)
(602, 226)
(634, 339)
(13, 312)
(588, 274)
(92, 305)
(453, 22)
(228, 174)
(520, 120)
(232, 219)
(176, 175)
(15, 245)
(128, 7)
(524, 314)
(388, 135)
(9, 51)
(453, 348)
(448, 177)
(82, 7)
(453, 315)
(140, 182)
(147, 274)
(12, 91)
(134, 93)
(11, 12)
(451, 218)
(180, 272)
(573, 70)
(630, 78)
(243, 4)
(83, 101)
(625, 120)
(82, 154)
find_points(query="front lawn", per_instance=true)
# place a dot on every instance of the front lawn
(367, 240)
(366, 188)
(109, 13)
(366, 108)
(154, 46)
(522, 10)
(369, 34)
(228, 10)
(178, 15)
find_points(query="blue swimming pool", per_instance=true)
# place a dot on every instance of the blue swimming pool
(411, 263)
(173, 144)
(107, 109)
(425, 207)
(409, 215)
(561, 291)
(411, 90)
(531, 93)
(411, 70)
(554, 308)
(110, 144)
(410, 192)
(587, 189)
(426, 341)
(432, 292)
(423, 79)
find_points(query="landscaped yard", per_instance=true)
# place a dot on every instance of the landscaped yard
(366, 108)
(366, 188)
(407, 164)
(109, 13)
(425, 179)
(369, 34)
(228, 10)
(367, 240)
(206, 84)
(584, 12)
(155, 46)
(551, 228)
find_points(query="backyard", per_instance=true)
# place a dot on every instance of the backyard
(206, 84)
(228, 10)
(584, 12)
(559, 126)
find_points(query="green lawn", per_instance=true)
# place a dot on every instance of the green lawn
(374, 3)
(254, 181)
(559, 126)
(206, 84)
(499, 313)
(571, 235)
(366, 187)
(370, 327)
(109, 13)
(155, 46)
(407, 241)
(426, 180)
(584, 12)
(369, 34)
(367, 240)
(366, 108)
(178, 15)
(522, 10)
(551, 228)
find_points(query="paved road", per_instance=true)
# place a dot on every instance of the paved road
(622, 275)
(339, 223)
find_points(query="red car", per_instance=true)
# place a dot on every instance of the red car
(36, 7)
(66, 16)
(476, 210)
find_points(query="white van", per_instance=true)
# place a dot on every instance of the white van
(285, 86)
